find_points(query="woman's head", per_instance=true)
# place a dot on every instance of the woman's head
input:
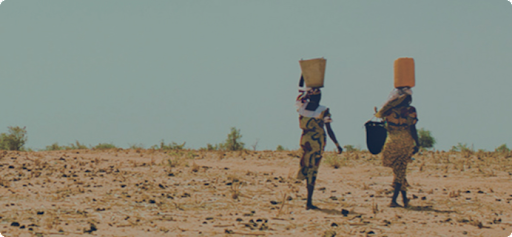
(314, 97)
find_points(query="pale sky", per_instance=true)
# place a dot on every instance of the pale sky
(129, 72)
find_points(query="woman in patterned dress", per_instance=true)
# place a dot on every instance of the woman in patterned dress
(312, 118)
(402, 140)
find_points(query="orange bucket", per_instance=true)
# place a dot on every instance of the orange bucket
(404, 72)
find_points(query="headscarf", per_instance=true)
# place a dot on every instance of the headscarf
(396, 97)
(303, 99)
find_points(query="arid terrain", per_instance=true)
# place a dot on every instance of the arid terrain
(249, 193)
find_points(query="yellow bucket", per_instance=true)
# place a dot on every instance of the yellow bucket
(313, 71)
(404, 72)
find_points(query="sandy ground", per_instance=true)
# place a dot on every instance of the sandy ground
(198, 193)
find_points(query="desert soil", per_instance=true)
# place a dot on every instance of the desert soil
(249, 193)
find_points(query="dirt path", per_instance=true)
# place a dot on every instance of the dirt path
(197, 193)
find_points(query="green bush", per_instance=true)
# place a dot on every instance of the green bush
(210, 147)
(136, 146)
(280, 148)
(461, 147)
(103, 146)
(425, 138)
(54, 147)
(502, 149)
(15, 140)
(233, 142)
(76, 146)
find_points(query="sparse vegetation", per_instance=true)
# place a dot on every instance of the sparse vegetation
(210, 147)
(136, 146)
(350, 148)
(170, 146)
(14, 140)
(334, 160)
(502, 149)
(461, 147)
(426, 139)
(73, 146)
(103, 146)
(280, 148)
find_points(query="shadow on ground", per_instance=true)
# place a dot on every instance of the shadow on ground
(427, 208)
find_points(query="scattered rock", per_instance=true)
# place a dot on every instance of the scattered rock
(91, 229)
(15, 224)
(263, 227)
(329, 233)
(344, 212)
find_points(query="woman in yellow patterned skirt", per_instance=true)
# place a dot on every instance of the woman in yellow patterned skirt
(312, 118)
(402, 140)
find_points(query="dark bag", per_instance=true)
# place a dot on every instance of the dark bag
(376, 135)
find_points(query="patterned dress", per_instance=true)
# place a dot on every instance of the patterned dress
(312, 142)
(399, 146)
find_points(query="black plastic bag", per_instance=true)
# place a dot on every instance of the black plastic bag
(376, 135)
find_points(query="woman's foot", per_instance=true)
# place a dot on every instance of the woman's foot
(311, 207)
(394, 204)
(406, 202)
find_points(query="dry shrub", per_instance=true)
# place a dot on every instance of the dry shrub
(195, 167)
(334, 160)
(454, 194)
(235, 190)
(176, 162)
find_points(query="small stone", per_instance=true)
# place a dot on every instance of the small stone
(423, 198)
(40, 212)
(15, 224)
(239, 219)
(334, 225)
(329, 233)
(344, 212)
